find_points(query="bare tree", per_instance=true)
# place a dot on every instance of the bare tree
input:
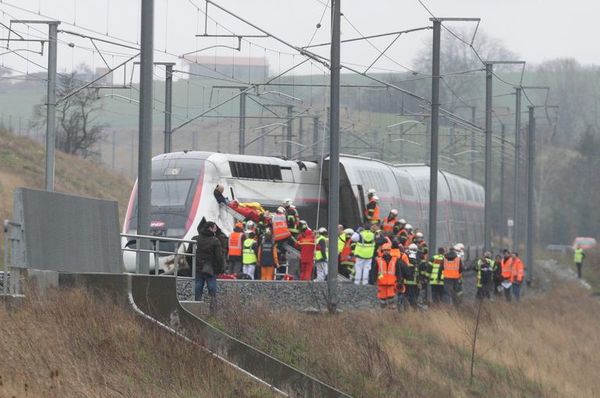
(456, 57)
(78, 129)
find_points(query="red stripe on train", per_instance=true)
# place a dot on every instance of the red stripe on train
(195, 202)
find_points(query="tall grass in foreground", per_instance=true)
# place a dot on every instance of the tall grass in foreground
(72, 346)
(548, 345)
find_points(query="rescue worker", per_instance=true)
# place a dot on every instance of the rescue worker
(267, 256)
(484, 268)
(498, 275)
(460, 250)
(346, 256)
(578, 256)
(370, 193)
(390, 222)
(518, 273)
(436, 277)
(293, 220)
(452, 271)
(281, 231)
(386, 277)
(400, 229)
(409, 234)
(411, 280)
(423, 279)
(321, 254)
(234, 255)
(372, 210)
(249, 258)
(363, 251)
(306, 244)
(506, 266)
(419, 239)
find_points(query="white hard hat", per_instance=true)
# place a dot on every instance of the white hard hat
(402, 221)
(349, 231)
(419, 234)
(250, 224)
(408, 226)
(303, 222)
(287, 202)
(371, 190)
(322, 230)
(413, 247)
(459, 246)
(280, 210)
(394, 212)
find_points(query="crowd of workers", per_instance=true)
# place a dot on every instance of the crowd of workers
(388, 253)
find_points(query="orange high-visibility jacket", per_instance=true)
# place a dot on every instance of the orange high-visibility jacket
(374, 217)
(452, 268)
(518, 270)
(235, 243)
(507, 266)
(280, 227)
(388, 224)
(386, 272)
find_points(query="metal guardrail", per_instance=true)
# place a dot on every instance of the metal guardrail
(156, 252)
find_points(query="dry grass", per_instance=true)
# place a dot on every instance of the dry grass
(71, 346)
(546, 346)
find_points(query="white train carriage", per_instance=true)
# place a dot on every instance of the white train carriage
(183, 185)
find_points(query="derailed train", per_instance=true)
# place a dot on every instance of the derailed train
(183, 184)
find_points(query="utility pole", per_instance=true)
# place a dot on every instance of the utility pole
(300, 131)
(502, 170)
(487, 227)
(168, 104)
(114, 149)
(473, 110)
(530, 194)
(433, 143)
(516, 221)
(242, 124)
(435, 125)
(289, 133)
(145, 134)
(51, 94)
(51, 110)
(333, 199)
(315, 137)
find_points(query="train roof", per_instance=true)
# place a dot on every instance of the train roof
(204, 155)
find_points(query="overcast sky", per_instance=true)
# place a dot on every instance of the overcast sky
(537, 30)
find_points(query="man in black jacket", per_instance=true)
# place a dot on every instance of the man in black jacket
(209, 260)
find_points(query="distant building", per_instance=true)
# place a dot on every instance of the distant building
(253, 69)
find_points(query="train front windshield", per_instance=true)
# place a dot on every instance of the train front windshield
(173, 188)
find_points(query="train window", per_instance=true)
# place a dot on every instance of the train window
(170, 193)
(255, 171)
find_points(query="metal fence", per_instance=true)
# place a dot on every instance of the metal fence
(156, 252)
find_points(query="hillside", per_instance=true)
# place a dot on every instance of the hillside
(22, 163)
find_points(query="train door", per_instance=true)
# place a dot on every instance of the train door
(350, 214)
